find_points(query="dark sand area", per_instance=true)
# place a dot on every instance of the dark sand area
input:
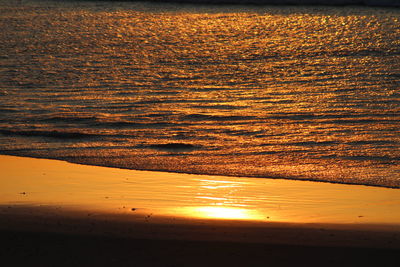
(45, 249)
(53, 237)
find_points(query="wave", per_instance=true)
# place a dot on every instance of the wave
(51, 134)
(139, 125)
(313, 116)
(72, 119)
(204, 117)
(178, 147)
(93, 121)
(311, 143)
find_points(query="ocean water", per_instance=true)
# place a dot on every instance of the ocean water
(270, 91)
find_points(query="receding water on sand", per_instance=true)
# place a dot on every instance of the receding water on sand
(127, 192)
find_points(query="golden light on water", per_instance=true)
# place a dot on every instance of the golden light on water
(263, 92)
(220, 199)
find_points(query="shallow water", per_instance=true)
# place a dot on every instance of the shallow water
(97, 190)
(290, 92)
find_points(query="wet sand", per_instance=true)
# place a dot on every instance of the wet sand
(54, 213)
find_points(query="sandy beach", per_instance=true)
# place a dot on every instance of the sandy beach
(53, 214)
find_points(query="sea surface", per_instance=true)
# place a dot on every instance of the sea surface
(268, 91)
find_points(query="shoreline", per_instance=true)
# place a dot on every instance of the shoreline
(112, 190)
(87, 209)
(201, 174)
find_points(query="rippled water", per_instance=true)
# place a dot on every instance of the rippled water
(285, 92)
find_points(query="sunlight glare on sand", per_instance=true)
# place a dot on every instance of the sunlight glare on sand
(221, 212)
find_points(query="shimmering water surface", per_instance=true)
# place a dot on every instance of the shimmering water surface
(283, 92)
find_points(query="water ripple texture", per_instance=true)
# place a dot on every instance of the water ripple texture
(275, 92)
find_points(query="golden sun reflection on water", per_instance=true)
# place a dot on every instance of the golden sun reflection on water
(220, 199)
